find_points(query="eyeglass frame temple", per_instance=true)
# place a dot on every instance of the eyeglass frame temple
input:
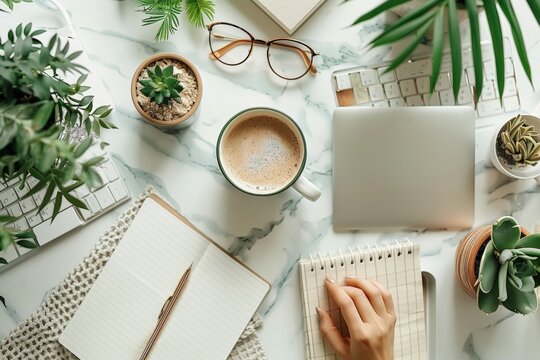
(216, 54)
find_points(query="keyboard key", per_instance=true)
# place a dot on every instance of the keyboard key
(27, 205)
(432, 100)
(376, 92)
(21, 224)
(489, 92)
(489, 108)
(447, 97)
(31, 181)
(422, 84)
(38, 197)
(104, 198)
(13, 181)
(387, 77)
(415, 100)
(361, 95)
(92, 203)
(380, 104)
(407, 87)
(33, 218)
(465, 96)
(511, 103)
(343, 82)
(392, 90)
(443, 82)
(47, 212)
(7, 197)
(508, 67)
(369, 77)
(414, 69)
(489, 70)
(487, 52)
(15, 210)
(65, 221)
(23, 191)
(398, 102)
(9, 254)
(470, 75)
(2, 185)
(467, 58)
(510, 87)
(82, 191)
(117, 190)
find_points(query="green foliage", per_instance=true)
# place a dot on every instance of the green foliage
(167, 12)
(509, 269)
(436, 13)
(10, 3)
(162, 85)
(519, 141)
(12, 237)
(38, 109)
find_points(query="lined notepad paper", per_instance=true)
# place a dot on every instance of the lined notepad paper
(120, 312)
(397, 267)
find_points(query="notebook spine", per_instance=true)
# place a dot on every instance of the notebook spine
(368, 253)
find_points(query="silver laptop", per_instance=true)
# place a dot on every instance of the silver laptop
(403, 168)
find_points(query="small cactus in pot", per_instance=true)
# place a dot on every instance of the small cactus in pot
(519, 143)
(509, 269)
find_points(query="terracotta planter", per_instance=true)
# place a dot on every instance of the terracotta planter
(181, 122)
(466, 253)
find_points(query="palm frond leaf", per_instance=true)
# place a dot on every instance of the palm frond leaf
(476, 48)
(405, 29)
(164, 12)
(420, 34)
(455, 46)
(497, 41)
(387, 5)
(197, 10)
(438, 46)
(535, 8)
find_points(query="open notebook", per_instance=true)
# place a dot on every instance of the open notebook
(118, 315)
(397, 267)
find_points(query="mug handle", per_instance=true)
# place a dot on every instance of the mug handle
(307, 189)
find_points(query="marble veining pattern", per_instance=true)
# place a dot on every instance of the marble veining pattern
(269, 234)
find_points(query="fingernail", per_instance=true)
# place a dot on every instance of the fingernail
(318, 312)
(330, 280)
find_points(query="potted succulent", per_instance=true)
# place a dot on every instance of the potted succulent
(515, 147)
(39, 110)
(166, 90)
(435, 17)
(499, 265)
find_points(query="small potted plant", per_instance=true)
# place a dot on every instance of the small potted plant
(166, 90)
(515, 147)
(498, 265)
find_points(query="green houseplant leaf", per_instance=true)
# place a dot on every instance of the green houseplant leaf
(520, 302)
(488, 302)
(455, 46)
(476, 47)
(505, 233)
(497, 38)
(489, 269)
(535, 8)
(438, 46)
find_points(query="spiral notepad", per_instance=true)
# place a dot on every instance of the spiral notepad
(396, 266)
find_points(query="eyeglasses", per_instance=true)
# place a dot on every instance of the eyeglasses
(288, 58)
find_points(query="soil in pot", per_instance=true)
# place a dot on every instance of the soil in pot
(176, 108)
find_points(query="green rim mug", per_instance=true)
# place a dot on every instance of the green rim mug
(297, 182)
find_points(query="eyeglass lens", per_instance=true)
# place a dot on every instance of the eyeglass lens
(287, 58)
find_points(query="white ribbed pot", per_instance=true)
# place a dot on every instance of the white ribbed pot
(513, 171)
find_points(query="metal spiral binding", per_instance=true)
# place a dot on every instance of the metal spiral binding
(361, 254)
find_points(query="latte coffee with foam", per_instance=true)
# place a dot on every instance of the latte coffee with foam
(261, 154)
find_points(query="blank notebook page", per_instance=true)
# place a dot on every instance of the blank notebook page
(118, 315)
(396, 267)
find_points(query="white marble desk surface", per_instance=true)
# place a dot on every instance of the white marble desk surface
(269, 234)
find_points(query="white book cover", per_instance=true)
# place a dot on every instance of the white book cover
(289, 14)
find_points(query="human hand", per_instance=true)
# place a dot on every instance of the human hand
(368, 311)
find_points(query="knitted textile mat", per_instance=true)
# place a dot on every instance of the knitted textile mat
(37, 337)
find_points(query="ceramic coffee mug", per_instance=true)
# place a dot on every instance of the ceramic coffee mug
(515, 172)
(262, 151)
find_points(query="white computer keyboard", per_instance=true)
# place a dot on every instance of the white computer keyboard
(408, 85)
(99, 200)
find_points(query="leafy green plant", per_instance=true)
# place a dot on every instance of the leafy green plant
(38, 110)
(162, 85)
(167, 13)
(509, 269)
(10, 3)
(519, 142)
(433, 14)
(11, 237)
